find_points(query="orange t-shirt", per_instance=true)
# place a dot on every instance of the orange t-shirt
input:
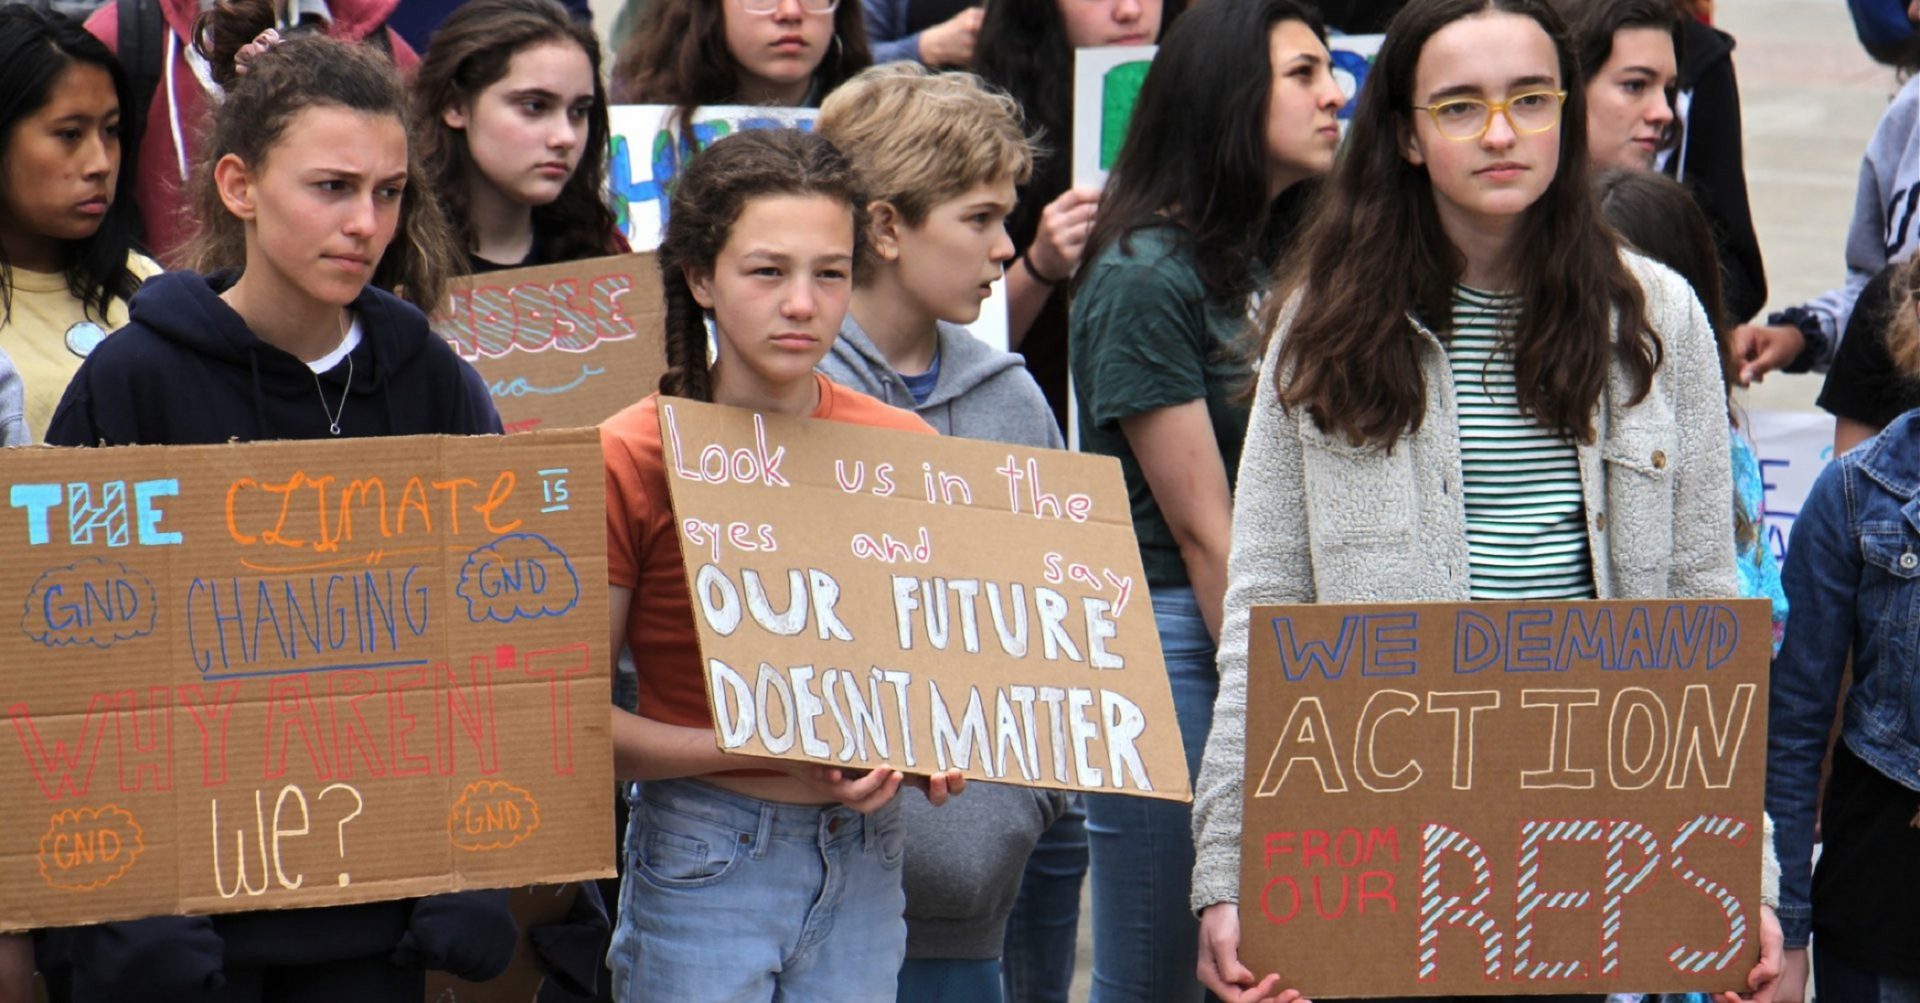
(643, 549)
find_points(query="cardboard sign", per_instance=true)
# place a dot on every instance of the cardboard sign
(561, 346)
(650, 146)
(869, 597)
(300, 674)
(1352, 57)
(1505, 798)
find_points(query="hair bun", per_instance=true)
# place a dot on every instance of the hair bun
(227, 28)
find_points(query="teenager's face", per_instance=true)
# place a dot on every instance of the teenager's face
(62, 161)
(778, 290)
(323, 205)
(778, 51)
(1490, 57)
(1628, 113)
(1094, 23)
(950, 261)
(527, 131)
(1303, 129)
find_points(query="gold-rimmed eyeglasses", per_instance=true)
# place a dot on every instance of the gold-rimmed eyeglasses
(769, 6)
(1470, 118)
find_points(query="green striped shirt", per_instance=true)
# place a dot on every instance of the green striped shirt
(1526, 519)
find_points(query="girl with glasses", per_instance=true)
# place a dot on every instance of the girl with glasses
(788, 53)
(1512, 353)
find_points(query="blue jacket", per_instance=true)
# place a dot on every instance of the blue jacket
(1854, 577)
(887, 32)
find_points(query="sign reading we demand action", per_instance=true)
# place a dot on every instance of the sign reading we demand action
(1502, 798)
(300, 674)
(869, 597)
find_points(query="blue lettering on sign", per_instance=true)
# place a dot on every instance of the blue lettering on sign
(520, 576)
(106, 518)
(235, 624)
(667, 155)
(1644, 638)
(93, 602)
(520, 387)
(1386, 644)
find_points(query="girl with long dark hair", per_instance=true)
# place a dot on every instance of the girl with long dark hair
(510, 119)
(1239, 110)
(1468, 391)
(67, 263)
(771, 52)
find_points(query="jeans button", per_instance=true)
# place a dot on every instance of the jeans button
(1908, 560)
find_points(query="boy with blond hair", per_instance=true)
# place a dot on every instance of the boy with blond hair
(939, 155)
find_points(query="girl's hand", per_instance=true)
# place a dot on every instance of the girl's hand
(1064, 225)
(1767, 975)
(941, 787)
(863, 793)
(1792, 985)
(1220, 968)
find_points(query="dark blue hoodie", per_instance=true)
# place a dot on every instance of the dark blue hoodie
(186, 369)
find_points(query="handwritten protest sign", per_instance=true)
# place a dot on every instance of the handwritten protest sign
(1352, 57)
(1503, 798)
(300, 674)
(650, 146)
(1792, 447)
(561, 346)
(866, 596)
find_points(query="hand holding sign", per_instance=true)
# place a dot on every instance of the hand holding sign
(870, 599)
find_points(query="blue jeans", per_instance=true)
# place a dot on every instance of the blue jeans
(731, 899)
(1044, 928)
(1835, 981)
(1145, 937)
(950, 980)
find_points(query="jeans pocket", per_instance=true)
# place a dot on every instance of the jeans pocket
(890, 824)
(677, 851)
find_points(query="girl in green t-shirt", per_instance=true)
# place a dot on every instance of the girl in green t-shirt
(1239, 109)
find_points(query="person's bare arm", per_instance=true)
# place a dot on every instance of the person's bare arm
(1181, 460)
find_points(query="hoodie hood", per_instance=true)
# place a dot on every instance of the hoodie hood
(982, 392)
(187, 369)
(186, 309)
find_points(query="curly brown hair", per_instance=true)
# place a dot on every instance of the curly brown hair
(307, 71)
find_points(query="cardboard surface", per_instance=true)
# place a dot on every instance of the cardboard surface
(561, 346)
(866, 596)
(299, 674)
(1505, 798)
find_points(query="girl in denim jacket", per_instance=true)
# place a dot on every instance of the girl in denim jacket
(1854, 572)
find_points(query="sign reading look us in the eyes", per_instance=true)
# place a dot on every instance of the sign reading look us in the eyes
(869, 597)
(1505, 798)
(299, 674)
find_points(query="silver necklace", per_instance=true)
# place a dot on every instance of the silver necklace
(333, 416)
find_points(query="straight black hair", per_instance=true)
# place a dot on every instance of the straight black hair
(36, 48)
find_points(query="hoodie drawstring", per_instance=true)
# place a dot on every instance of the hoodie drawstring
(259, 405)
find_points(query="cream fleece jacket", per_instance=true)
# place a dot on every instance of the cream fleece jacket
(1317, 520)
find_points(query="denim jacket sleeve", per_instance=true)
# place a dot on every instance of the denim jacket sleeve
(1824, 575)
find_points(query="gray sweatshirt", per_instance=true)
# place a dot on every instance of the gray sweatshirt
(1883, 230)
(13, 405)
(983, 393)
(964, 860)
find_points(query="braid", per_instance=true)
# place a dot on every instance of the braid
(687, 374)
(707, 198)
